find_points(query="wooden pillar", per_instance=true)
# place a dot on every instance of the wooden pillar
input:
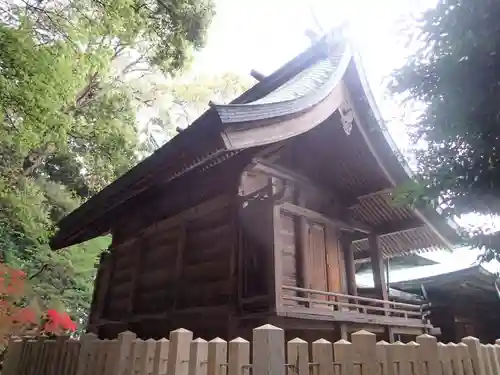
(346, 244)
(302, 243)
(101, 285)
(377, 267)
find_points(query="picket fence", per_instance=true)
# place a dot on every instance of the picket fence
(267, 355)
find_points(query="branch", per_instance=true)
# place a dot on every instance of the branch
(39, 272)
(129, 67)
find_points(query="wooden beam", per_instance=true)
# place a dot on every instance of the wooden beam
(391, 228)
(320, 218)
(275, 170)
(346, 245)
(379, 281)
(257, 75)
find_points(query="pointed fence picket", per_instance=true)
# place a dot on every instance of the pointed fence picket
(267, 354)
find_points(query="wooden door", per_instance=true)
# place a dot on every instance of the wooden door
(317, 260)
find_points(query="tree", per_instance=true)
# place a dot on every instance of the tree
(182, 101)
(455, 74)
(72, 78)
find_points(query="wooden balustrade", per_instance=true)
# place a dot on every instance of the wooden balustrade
(310, 300)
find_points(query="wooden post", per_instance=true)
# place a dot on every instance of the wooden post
(344, 356)
(344, 331)
(428, 359)
(86, 343)
(12, 357)
(239, 356)
(384, 357)
(101, 286)
(198, 357)
(486, 359)
(465, 357)
(476, 355)
(178, 353)
(445, 359)
(277, 252)
(161, 357)
(377, 267)
(322, 355)
(217, 357)
(456, 359)
(301, 243)
(298, 357)
(365, 348)
(268, 350)
(346, 244)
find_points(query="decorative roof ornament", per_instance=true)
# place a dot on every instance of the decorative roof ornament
(347, 117)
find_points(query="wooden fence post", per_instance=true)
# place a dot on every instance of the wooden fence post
(178, 353)
(11, 360)
(86, 343)
(344, 356)
(298, 357)
(476, 355)
(492, 353)
(428, 359)
(463, 351)
(217, 357)
(455, 358)
(322, 357)
(413, 350)
(198, 357)
(54, 366)
(146, 366)
(400, 355)
(122, 352)
(383, 357)
(445, 359)
(239, 356)
(161, 357)
(268, 351)
(365, 349)
(486, 359)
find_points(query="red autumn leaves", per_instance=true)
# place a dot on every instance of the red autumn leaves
(57, 321)
(18, 319)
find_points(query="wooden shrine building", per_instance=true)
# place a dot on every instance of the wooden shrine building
(256, 214)
(463, 303)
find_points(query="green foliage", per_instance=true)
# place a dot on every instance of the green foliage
(69, 95)
(455, 74)
(184, 100)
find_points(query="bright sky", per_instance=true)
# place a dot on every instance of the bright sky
(264, 34)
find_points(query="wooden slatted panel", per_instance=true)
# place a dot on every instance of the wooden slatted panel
(317, 258)
(334, 261)
(288, 243)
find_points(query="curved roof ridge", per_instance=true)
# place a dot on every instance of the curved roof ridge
(304, 90)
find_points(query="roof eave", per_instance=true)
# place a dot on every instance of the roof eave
(394, 166)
